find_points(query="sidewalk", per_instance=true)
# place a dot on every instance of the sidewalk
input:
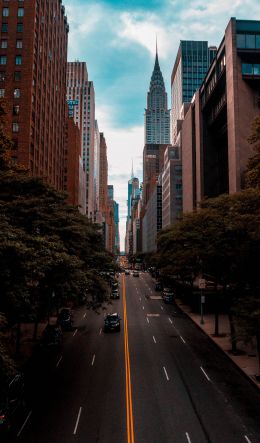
(247, 361)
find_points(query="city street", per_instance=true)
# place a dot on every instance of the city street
(158, 380)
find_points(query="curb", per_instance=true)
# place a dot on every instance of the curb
(253, 383)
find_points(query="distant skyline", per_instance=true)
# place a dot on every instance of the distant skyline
(117, 41)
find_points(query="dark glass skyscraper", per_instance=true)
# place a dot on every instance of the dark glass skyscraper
(191, 64)
(157, 114)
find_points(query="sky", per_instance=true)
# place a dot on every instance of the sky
(117, 41)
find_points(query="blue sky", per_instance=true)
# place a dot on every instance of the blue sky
(117, 41)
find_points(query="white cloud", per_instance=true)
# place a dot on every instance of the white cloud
(143, 29)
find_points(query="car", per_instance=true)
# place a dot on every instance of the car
(127, 272)
(115, 294)
(158, 286)
(135, 274)
(65, 318)
(10, 401)
(168, 295)
(112, 322)
(52, 335)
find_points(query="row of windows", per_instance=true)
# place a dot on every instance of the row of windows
(3, 59)
(19, 27)
(17, 93)
(4, 44)
(5, 12)
(251, 69)
(248, 41)
(17, 76)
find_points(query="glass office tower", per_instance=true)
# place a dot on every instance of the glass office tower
(191, 64)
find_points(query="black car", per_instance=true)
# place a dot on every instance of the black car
(158, 286)
(168, 295)
(115, 294)
(135, 274)
(112, 322)
(10, 401)
(52, 335)
(127, 272)
(65, 319)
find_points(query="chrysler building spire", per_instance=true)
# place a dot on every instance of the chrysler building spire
(157, 114)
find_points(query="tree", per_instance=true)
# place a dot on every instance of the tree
(222, 239)
(252, 174)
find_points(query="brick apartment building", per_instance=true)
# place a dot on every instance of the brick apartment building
(74, 174)
(33, 57)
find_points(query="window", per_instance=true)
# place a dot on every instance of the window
(17, 76)
(2, 76)
(16, 109)
(4, 27)
(257, 41)
(18, 59)
(2, 93)
(15, 127)
(19, 27)
(5, 12)
(250, 41)
(3, 44)
(19, 44)
(3, 59)
(20, 12)
(17, 93)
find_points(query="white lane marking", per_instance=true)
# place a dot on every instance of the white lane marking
(75, 332)
(93, 360)
(247, 439)
(143, 307)
(58, 362)
(84, 316)
(154, 339)
(170, 320)
(166, 375)
(77, 421)
(140, 298)
(206, 375)
(24, 424)
(147, 319)
(188, 437)
(182, 339)
(100, 331)
(161, 308)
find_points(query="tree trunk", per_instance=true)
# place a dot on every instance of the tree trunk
(232, 334)
(216, 333)
(258, 350)
(35, 330)
(18, 338)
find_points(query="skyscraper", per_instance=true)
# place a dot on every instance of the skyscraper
(191, 64)
(33, 57)
(81, 101)
(157, 114)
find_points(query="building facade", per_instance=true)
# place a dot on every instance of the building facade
(74, 174)
(191, 64)
(171, 186)
(152, 220)
(33, 58)
(81, 102)
(216, 128)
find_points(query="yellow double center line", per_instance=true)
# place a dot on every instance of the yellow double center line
(129, 405)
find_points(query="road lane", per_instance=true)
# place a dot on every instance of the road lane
(209, 403)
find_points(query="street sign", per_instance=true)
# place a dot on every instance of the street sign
(202, 283)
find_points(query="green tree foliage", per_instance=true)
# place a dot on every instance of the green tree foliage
(252, 175)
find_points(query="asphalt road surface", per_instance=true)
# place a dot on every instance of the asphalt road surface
(159, 380)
